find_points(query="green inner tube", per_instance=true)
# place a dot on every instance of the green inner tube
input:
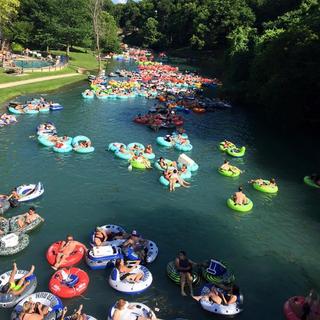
(241, 208)
(224, 149)
(307, 180)
(236, 152)
(174, 275)
(228, 173)
(265, 187)
(137, 164)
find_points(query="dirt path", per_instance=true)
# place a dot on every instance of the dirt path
(22, 82)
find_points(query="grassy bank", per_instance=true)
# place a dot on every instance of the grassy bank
(6, 78)
(9, 93)
(81, 59)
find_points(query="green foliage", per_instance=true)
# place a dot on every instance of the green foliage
(110, 40)
(17, 47)
(151, 34)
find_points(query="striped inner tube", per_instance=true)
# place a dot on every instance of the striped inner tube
(174, 275)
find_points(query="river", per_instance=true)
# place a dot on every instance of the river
(273, 251)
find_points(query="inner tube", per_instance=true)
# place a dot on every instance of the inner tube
(241, 208)
(164, 143)
(4, 205)
(216, 272)
(157, 165)
(226, 310)
(132, 311)
(307, 180)
(236, 152)
(46, 298)
(137, 164)
(166, 182)
(228, 173)
(114, 146)
(265, 187)
(75, 144)
(74, 258)
(149, 156)
(56, 107)
(174, 275)
(223, 148)
(13, 243)
(14, 111)
(4, 226)
(66, 147)
(44, 140)
(123, 155)
(8, 300)
(112, 230)
(287, 307)
(27, 228)
(30, 111)
(87, 96)
(121, 283)
(183, 147)
(150, 249)
(69, 283)
(139, 145)
(99, 258)
(29, 192)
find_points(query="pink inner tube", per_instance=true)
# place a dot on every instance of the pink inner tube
(288, 310)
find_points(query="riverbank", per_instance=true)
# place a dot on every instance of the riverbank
(82, 59)
(46, 86)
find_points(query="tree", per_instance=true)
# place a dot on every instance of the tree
(95, 7)
(151, 34)
(73, 23)
(8, 8)
(110, 40)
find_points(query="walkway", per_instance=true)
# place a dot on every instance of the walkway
(22, 82)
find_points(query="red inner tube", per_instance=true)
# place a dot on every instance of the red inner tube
(288, 310)
(60, 287)
(74, 258)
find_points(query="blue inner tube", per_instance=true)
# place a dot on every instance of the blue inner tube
(162, 142)
(123, 156)
(64, 149)
(183, 147)
(165, 182)
(140, 146)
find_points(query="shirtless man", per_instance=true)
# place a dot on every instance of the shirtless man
(64, 251)
(226, 165)
(136, 243)
(28, 218)
(239, 197)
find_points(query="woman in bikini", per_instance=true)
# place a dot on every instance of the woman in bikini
(16, 287)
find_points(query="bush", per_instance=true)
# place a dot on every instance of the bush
(17, 47)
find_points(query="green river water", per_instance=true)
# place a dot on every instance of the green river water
(273, 251)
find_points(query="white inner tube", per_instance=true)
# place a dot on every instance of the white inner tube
(121, 283)
(132, 310)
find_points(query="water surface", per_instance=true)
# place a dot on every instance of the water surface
(274, 250)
